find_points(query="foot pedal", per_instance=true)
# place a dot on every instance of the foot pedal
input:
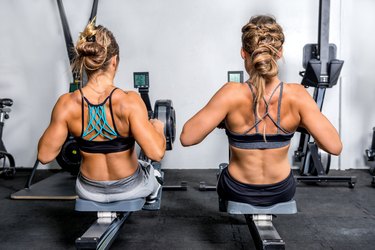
(182, 187)
(155, 205)
(204, 187)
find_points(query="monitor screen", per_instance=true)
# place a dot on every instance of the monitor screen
(141, 80)
(235, 76)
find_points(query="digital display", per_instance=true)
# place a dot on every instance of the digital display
(141, 80)
(235, 76)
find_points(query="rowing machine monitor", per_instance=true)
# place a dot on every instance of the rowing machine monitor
(141, 80)
(235, 76)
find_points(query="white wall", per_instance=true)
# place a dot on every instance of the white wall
(187, 46)
(358, 85)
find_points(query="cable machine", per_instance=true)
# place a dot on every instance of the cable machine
(6, 170)
(370, 154)
(60, 186)
(322, 71)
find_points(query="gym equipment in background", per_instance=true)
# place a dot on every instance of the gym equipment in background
(235, 76)
(164, 111)
(7, 169)
(322, 71)
(370, 154)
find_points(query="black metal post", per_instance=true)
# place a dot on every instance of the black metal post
(312, 169)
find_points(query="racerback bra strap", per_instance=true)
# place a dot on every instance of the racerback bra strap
(277, 122)
(82, 110)
(111, 111)
(98, 123)
(279, 107)
(254, 111)
(258, 140)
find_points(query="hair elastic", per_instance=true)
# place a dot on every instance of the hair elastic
(91, 39)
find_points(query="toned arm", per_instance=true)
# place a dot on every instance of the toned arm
(149, 134)
(56, 133)
(207, 119)
(321, 129)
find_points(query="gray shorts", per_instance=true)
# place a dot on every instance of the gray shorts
(139, 185)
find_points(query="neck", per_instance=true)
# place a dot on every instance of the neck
(100, 82)
(273, 82)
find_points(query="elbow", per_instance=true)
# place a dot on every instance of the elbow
(183, 141)
(190, 136)
(186, 140)
(45, 155)
(337, 149)
(157, 154)
(44, 159)
(333, 149)
(157, 158)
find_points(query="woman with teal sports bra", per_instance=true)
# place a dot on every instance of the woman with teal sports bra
(106, 122)
(261, 116)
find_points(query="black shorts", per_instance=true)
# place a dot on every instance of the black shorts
(255, 194)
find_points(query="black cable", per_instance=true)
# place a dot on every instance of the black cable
(31, 177)
(67, 35)
(94, 9)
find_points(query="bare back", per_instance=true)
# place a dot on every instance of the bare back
(234, 104)
(262, 166)
(129, 120)
(104, 166)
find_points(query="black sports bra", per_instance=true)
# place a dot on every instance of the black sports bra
(258, 140)
(98, 126)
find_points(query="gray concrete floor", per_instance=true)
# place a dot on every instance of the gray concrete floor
(330, 216)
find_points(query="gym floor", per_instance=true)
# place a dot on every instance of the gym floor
(330, 216)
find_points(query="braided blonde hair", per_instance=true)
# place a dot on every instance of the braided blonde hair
(94, 49)
(262, 39)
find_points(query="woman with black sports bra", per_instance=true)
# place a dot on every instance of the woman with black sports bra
(106, 122)
(261, 116)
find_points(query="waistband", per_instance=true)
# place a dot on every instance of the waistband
(259, 186)
(115, 183)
